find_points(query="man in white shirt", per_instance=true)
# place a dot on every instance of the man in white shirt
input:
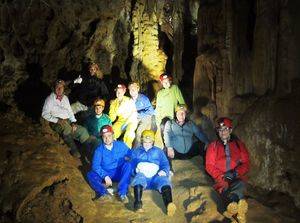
(57, 111)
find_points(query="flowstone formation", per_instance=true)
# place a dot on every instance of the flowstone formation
(149, 60)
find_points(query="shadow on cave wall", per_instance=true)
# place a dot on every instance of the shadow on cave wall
(31, 93)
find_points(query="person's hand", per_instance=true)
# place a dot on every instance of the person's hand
(230, 175)
(74, 127)
(170, 152)
(78, 80)
(162, 173)
(61, 121)
(108, 182)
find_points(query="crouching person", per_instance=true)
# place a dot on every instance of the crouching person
(151, 169)
(110, 164)
(227, 161)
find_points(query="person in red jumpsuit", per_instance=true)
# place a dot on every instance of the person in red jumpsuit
(227, 161)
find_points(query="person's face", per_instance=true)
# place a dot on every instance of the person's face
(99, 109)
(120, 93)
(180, 115)
(108, 138)
(224, 133)
(59, 89)
(133, 90)
(148, 145)
(93, 70)
(166, 83)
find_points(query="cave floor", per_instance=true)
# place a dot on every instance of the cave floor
(41, 182)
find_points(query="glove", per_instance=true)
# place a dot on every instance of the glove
(230, 175)
(78, 80)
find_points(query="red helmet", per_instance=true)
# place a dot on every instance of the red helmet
(106, 129)
(224, 122)
(164, 77)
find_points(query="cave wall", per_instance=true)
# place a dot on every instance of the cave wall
(248, 69)
(60, 37)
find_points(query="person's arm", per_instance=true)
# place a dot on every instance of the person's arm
(199, 133)
(70, 111)
(163, 162)
(243, 167)
(113, 110)
(210, 164)
(97, 161)
(46, 113)
(168, 134)
(178, 95)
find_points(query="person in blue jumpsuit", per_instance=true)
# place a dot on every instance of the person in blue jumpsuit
(151, 171)
(110, 163)
(146, 118)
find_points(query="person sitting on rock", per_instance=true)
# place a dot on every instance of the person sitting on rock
(123, 114)
(166, 101)
(110, 164)
(182, 138)
(227, 161)
(151, 171)
(89, 88)
(57, 111)
(144, 109)
(96, 121)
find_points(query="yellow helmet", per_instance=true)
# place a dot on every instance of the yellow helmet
(99, 102)
(148, 136)
(181, 107)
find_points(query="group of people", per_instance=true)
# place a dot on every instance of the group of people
(122, 141)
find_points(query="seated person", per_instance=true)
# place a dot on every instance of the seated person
(151, 168)
(146, 118)
(110, 164)
(89, 88)
(57, 111)
(96, 121)
(227, 161)
(166, 101)
(182, 138)
(123, 114)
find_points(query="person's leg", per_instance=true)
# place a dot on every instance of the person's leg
(143, 124)
(163, 185)
(81, 134)
(95, 182)
(139, 183)
(234, 200)
(138, 193)
(65, 131)
(122, 175)
(130, 133)
(117, 127)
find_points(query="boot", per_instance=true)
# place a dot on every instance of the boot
(71, 144)
(167, 198)
(242, 210)
(138, 192)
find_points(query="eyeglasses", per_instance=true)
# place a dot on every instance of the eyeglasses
(224, 129)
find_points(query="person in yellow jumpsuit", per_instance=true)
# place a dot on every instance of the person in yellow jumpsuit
(123, 114)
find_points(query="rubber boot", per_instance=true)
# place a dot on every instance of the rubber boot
(166, 193)
(232, 207)
(138, 193)
(68, 139)
(242, 210)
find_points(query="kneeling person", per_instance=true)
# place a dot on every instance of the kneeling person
(110, 163)
(151, 168)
